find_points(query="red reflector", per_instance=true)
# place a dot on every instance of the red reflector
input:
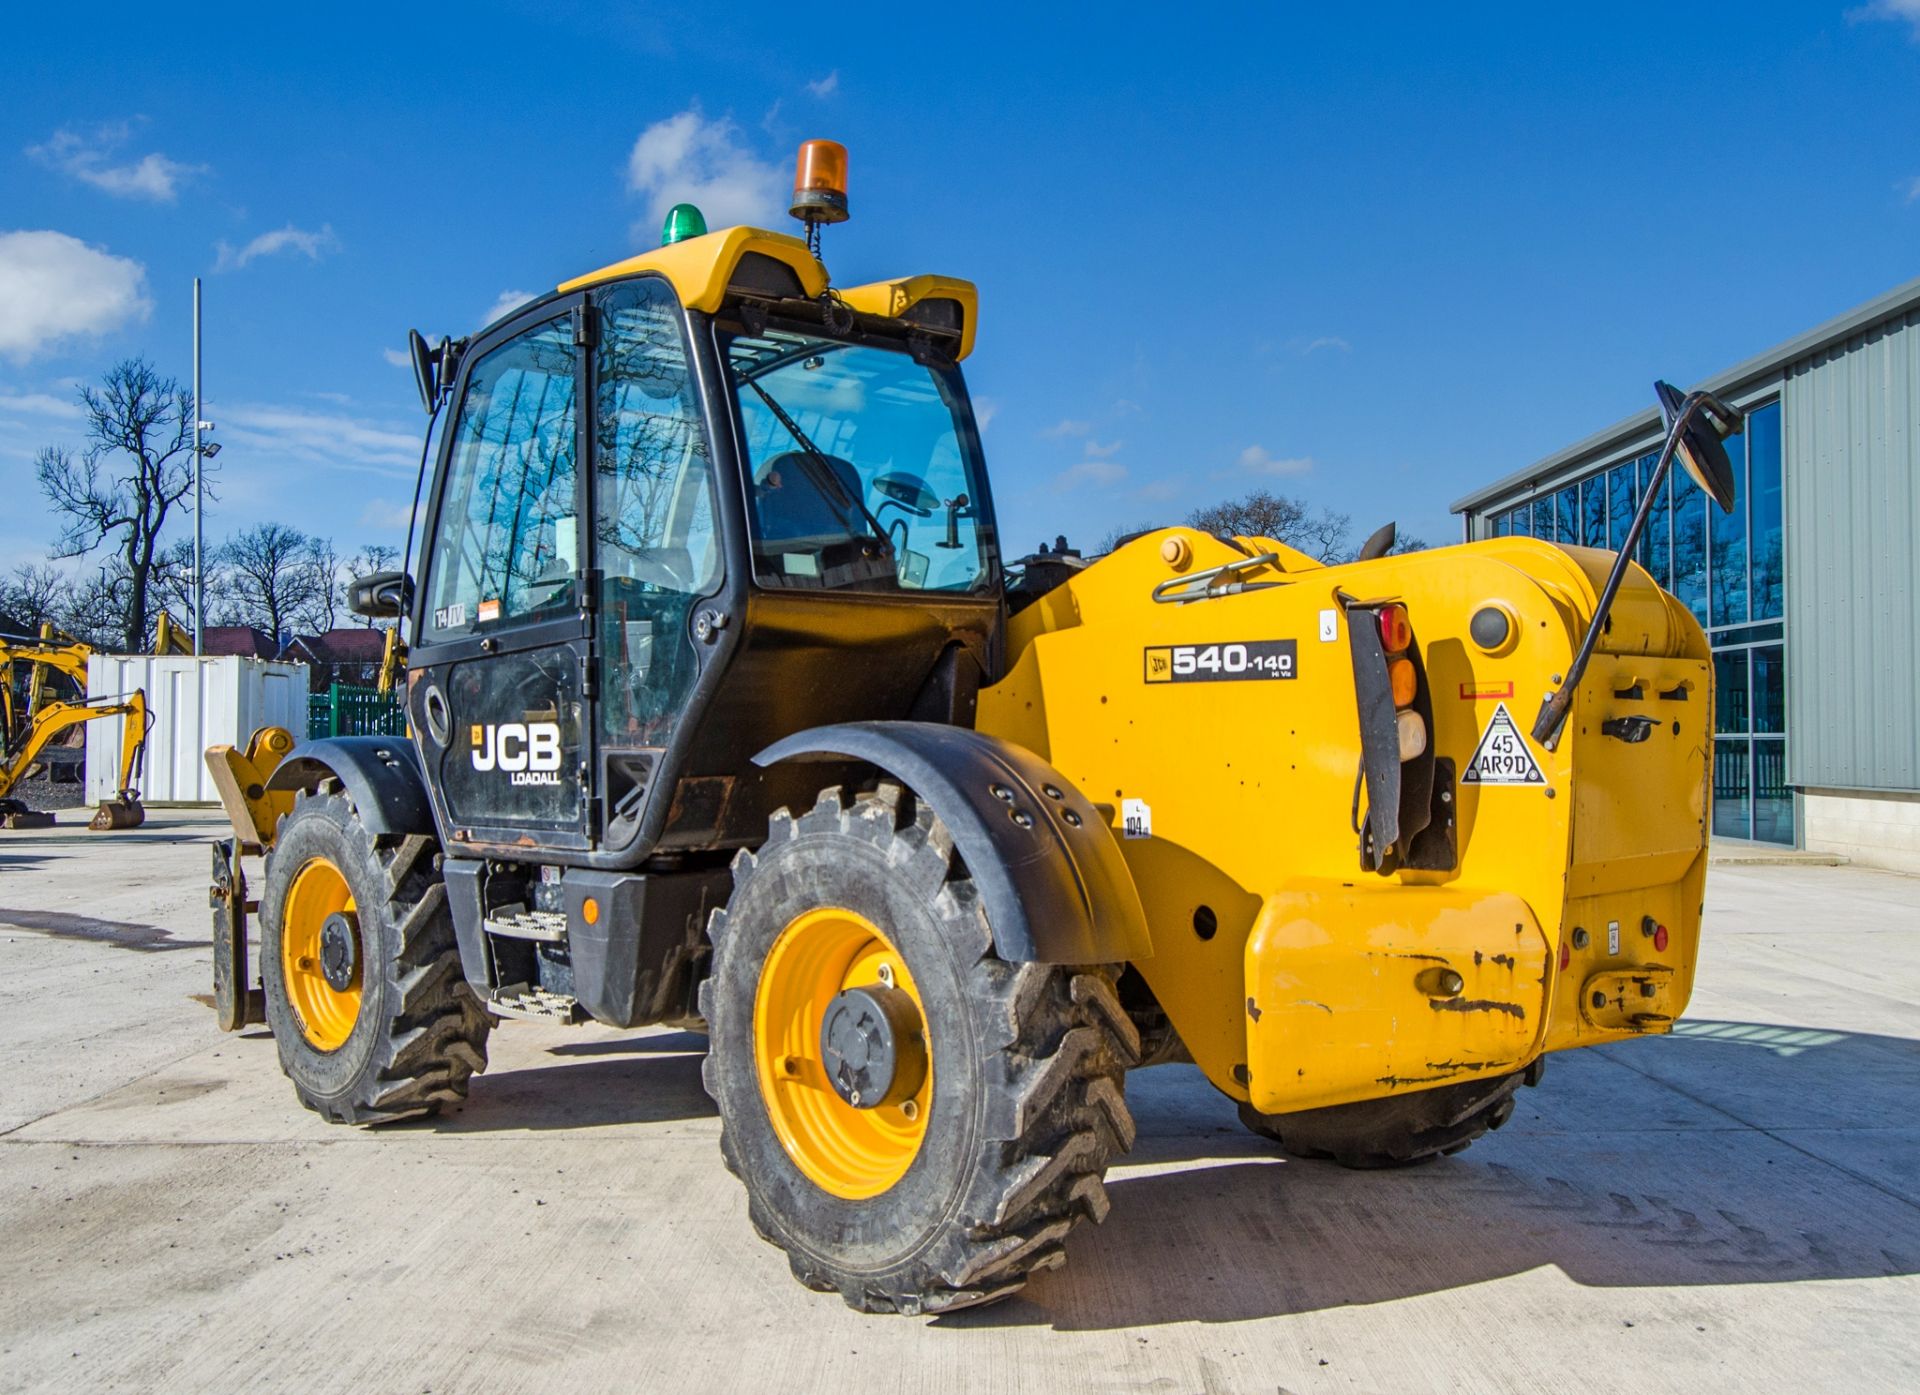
(1396, 631)
(1566, 955)
(1660, 939)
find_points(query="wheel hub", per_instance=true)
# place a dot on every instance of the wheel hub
(339, 951)
(873, 1046)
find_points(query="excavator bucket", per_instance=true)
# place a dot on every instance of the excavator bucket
(14, 814)
(116, 814)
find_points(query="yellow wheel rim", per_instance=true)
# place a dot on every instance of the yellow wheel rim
(851, 1153)
(326, 1013)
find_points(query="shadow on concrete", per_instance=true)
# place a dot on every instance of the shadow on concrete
(121, 934)
(654, 1081)
(1729, 1153)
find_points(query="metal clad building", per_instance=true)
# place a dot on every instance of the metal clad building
(1807, 591)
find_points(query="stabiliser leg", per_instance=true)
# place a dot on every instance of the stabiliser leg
(236, 1002)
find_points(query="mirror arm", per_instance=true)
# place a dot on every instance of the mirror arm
(1553, 711)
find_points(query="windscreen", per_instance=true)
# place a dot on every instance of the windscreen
(864, 467)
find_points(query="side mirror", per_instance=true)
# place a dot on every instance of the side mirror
(381, 596)
(426, 370)
(1702, 454)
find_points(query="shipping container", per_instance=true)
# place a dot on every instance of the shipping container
(194, 704)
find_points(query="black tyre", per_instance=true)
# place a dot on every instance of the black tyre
(1399, 1130)
(369, 1010)
(992, 1133)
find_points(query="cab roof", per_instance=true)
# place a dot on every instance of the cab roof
(704, 270)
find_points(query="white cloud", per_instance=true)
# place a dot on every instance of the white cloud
(1326, 341)
(1909, 189)
(826, 86)
(39, 404)
(1160, 491)
(399, 358)
(689, 159)
(1094, 472)
(1100, 450)
(1899, 11)
(313, 245)
(280, 436)
(985, 409)
(1069, 427)
(55, 288)
(88, 157)
(505, 301)
(1255, 460)
(380, 513)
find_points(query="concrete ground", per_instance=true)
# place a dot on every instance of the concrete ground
(1736, 1207)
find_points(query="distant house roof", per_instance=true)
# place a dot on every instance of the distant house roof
(353, 644)
(238, 639)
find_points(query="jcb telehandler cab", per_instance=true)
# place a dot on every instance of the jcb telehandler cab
(723, 715)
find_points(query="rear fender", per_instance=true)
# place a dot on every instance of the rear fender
(381, 775)
(1043, 856)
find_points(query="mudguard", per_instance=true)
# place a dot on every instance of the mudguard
(381, 775)
(1044, 858)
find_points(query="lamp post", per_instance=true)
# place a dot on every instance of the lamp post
(203, 451)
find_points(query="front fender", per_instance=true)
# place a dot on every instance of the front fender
(381, 775)
(1056, 889)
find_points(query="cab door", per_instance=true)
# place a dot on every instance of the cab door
(657, 549)
(501, 703)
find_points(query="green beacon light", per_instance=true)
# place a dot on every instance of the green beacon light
(683, 221)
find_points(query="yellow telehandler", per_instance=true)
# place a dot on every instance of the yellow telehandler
(725, 713)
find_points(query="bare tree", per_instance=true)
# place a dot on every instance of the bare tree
(35, 594)
(137, 464)
(1264, 514)
(278, 578)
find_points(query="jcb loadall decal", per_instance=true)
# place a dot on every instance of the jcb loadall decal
(1502, 757)
(528, 751)
(1213, 663)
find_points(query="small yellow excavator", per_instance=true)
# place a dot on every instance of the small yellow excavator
(123, 809)
(32, 720)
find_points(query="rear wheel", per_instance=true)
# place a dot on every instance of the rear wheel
(371, 1014)
(1399, 1130)
(918, 1123)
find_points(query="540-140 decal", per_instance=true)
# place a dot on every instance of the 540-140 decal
(1241, 660)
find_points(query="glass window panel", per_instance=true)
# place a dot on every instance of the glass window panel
(1593, 511)
(1498, 524)
(1772, 800)
(1689, 509)
(1732, 786)
(1656, 551)
(1731, 707)
(1520, 522)
(1728, 555)
(1566, 521)
(1770, 688)
(653, 514)
(508, 532)
(1622, 499)
(1763, 488)
(1543, 517)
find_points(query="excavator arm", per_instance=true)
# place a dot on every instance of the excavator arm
(123, 810)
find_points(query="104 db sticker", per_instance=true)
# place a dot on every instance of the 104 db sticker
(1220, 663)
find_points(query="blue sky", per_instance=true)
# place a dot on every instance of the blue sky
(1366, 255)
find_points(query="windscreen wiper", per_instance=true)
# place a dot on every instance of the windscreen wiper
(820, 474)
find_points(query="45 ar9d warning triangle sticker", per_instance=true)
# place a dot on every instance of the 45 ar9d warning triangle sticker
(1502, 757)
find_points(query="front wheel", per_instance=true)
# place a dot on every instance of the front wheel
(918, 1122)
(371, 1014)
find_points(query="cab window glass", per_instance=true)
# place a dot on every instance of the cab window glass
(506, 545)
(864, 467)
(654, 535)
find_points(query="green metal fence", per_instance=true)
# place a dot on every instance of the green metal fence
(345, 710)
